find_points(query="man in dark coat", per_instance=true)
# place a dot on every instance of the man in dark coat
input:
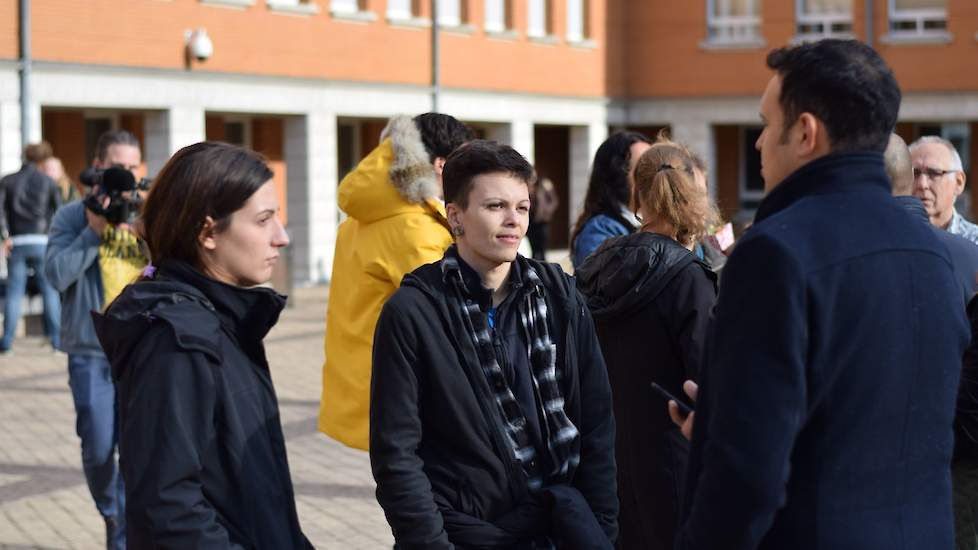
(828, 391)
(490, 414)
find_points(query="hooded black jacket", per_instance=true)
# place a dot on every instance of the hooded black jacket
(437, 443)
(651, 301)
(201, 446)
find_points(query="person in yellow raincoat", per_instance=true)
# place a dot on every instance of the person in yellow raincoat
(396, 224)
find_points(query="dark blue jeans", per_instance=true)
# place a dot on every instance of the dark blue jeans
(20, 257)
(97, 425)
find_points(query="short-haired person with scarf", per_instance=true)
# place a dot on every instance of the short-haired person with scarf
(490, 420)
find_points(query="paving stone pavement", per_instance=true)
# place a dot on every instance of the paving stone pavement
(44, 502)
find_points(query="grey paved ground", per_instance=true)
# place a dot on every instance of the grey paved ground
(44, 502)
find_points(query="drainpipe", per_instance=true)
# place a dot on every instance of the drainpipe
(25, 73)
(435, 58)
(870, 23)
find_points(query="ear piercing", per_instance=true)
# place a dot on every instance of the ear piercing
(458, 230)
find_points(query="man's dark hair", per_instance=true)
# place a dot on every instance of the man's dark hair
(113, 137)
(441, 134)
(38, 152)
(846, 85)
(205, 179)
(476, 158)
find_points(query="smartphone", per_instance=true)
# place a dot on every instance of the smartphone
(684, 409)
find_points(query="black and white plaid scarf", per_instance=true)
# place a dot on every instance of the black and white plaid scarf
(560, 432)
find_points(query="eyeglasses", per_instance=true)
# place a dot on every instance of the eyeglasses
(932, 174)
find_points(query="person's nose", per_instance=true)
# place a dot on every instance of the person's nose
(281, 237)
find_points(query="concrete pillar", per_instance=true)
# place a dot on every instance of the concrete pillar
(521, 138)
(584, 142)
(169, 131)
(10, 149)
(310, 159)
(698, 136)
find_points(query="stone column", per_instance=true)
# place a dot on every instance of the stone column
(584, 142)
(698, 136)
(310, 159)
(10, 149)
(169, 131)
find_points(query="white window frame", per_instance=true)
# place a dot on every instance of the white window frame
(497, 26)
(578, 34)
(825, 20)
(533, 6)
(345, 7)
(449, 19)
(920, 17)
(741, 29)
(398, 12)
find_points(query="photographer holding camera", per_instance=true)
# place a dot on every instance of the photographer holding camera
(93, 252)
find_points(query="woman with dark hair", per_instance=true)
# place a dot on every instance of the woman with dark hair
(651, 299)
(606, 213)
(201, 443)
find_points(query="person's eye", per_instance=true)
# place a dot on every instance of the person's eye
(523, 208)
(495, 205)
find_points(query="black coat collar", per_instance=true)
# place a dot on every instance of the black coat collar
(835, 173)
(249, 313)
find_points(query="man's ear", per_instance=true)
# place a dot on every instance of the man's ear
(439, 165)
(959, 180)
(206, 235)
(451, 212)
(811, 135)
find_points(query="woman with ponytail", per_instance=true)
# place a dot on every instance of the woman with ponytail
(650, 298)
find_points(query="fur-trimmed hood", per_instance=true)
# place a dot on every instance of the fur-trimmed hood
(397, 177)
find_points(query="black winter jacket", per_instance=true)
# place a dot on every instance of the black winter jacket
(651, 300)
(28, 201)
(201, 446)
(437, 443)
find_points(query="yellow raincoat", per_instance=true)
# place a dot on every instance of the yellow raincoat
(385, 238)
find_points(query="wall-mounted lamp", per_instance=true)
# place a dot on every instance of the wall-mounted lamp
(198, 46)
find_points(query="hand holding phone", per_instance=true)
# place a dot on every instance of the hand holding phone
(684, 409)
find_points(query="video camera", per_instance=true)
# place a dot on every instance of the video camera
(113, 182)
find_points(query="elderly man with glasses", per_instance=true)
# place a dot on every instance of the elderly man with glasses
(938, 180)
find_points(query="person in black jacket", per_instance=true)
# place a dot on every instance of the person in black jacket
(28, 201)
(491, 423)
(201, 445)
(651, 300)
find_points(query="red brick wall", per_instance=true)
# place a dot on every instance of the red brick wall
(257, 40)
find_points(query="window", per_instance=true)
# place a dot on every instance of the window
(823, 19)
(733, 22)
(449, 13)
(537, 19)
(344, 6)
(576, 20)
(497, 15)
(399, 9)
(918, 18)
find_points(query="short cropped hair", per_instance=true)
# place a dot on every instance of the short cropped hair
(956, 163)
(441, 134)
(846, 85)
(113, 137)
(476, 158)
(896, 158)
(38, 152)
(204, 179)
